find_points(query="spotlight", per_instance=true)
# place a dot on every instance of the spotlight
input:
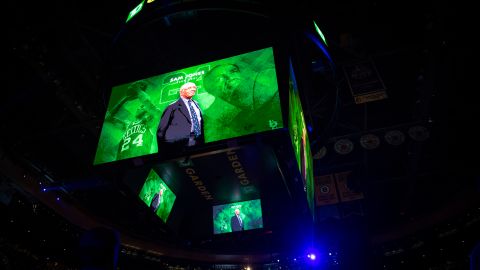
(312, 256)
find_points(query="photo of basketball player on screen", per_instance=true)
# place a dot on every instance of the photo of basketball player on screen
(129, 130)
(246, 96)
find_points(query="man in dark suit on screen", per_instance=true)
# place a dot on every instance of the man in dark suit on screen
(236, 222)
(156, 201)
(181, 123)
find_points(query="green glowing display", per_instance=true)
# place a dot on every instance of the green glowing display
(320, 33)
(300, 141)
(239, 216)
(237, 96)
(157, 196)
(135, 11)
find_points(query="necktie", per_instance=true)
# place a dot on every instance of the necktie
(239, 220)
(196, 125)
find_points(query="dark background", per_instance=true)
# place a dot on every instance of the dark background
(421, 205)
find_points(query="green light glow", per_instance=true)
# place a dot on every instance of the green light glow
(300, 141)
(135, 11)
(153, 184)
(320, 33)
(238, 96)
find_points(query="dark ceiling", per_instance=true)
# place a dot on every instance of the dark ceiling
(64, 54)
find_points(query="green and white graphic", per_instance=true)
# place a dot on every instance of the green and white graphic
(237, 96)
(250, 213)
(300, 141)
(157, 195)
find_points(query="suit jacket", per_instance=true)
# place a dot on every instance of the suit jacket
(175, 124)
(235, 224)
(155, 203)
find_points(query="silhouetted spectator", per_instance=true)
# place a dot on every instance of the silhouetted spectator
(98, 249)
(475, 257)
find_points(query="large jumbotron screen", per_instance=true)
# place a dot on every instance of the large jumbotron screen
(234, 97)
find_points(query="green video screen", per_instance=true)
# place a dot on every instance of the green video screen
(235, 96)
(157, 196)
(238, 216)
(299, 136)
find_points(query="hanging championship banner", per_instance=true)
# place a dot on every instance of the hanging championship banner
(369, 141)
(365, 82)
(325, 190)
(345, 193)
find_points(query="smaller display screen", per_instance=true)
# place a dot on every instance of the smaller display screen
(157, 196)
(238, 216)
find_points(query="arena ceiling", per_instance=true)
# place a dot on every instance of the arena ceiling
(63, 55)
